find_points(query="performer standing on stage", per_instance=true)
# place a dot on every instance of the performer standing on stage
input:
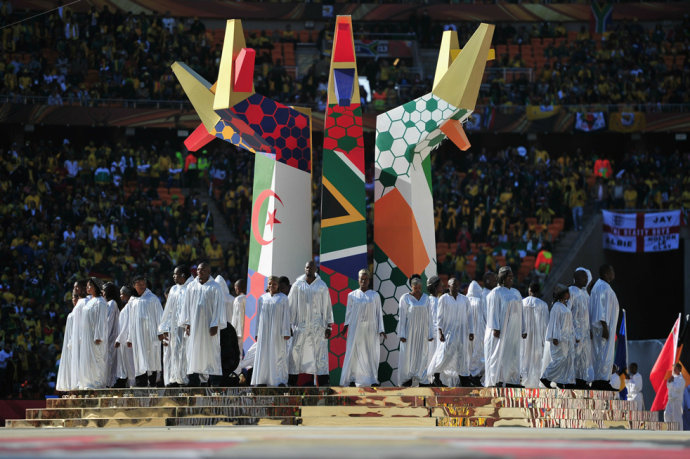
(203, 315)
(272, 333)
(363, 328)
(175, 353)
(311, 320)
(143, 337)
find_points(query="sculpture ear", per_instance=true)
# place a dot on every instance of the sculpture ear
(454, 131)
(244, 70)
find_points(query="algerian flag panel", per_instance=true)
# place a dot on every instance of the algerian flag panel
(280, 241)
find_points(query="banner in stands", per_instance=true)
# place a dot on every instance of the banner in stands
(641, 231)
(590, 121)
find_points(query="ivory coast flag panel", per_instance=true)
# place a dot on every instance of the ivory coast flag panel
(404, 237)
(280, 232)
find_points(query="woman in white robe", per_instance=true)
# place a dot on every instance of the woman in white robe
(175, 342)
(203, 315)
(504, 326)
(603, 318)
(94, 326)
(559, 364)
(113, 315)
(536, 314)
(125, 354)
(363, 328)
(415, 330)
(63, 383)
(454, 332)
(272, 334)
(477, 317)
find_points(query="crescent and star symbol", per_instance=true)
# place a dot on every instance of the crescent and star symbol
(270, 216)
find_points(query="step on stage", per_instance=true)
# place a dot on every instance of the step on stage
(343, 406)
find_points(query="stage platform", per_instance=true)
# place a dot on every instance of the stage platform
(342, 406)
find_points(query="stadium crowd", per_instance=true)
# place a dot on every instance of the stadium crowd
(81, 57)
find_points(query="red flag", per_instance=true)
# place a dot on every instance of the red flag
(662, 368)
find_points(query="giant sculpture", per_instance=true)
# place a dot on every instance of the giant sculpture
(404, 240)
(343, 198)
(280, 136)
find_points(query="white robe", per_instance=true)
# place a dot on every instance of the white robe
(452, 354)
(364, 319)
(77, 339)
(634, 385)
(559, 364)
(64, 382)
(175, 353)
(536, 316)
(112, 315)
(310, 314)
(248, 360)
(204, 307)
(238, 306)
(227, 296)
(415, 325)
(433, 306)
(92, 361)
(603, 306)
(273, 325)
(674, 406)
(579, 306)
(125, 354)
(502, 355)
(477, 318)
(145, 315)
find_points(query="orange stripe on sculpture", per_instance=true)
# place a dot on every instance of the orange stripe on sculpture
(396, 227)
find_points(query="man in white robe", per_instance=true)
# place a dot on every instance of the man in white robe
(415, 330)
(174, 340)
(674, 406)
(536, 316)
(634, 385)
(363, 329)
(143, 337)
(433, 287)
(579, 306)
(477, 318)
(203, 316)
(238, 307)
(603, 317)
(230, 355)
(559, 365)
(125, 354)
(454, 334)
(272, 334)
(94, 334)
(311, 321)
(504, 327)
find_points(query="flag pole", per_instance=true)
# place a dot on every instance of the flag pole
(625, 324)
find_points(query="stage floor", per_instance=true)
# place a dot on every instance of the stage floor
(352, 442)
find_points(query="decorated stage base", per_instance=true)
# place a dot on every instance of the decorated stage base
(344, 406)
